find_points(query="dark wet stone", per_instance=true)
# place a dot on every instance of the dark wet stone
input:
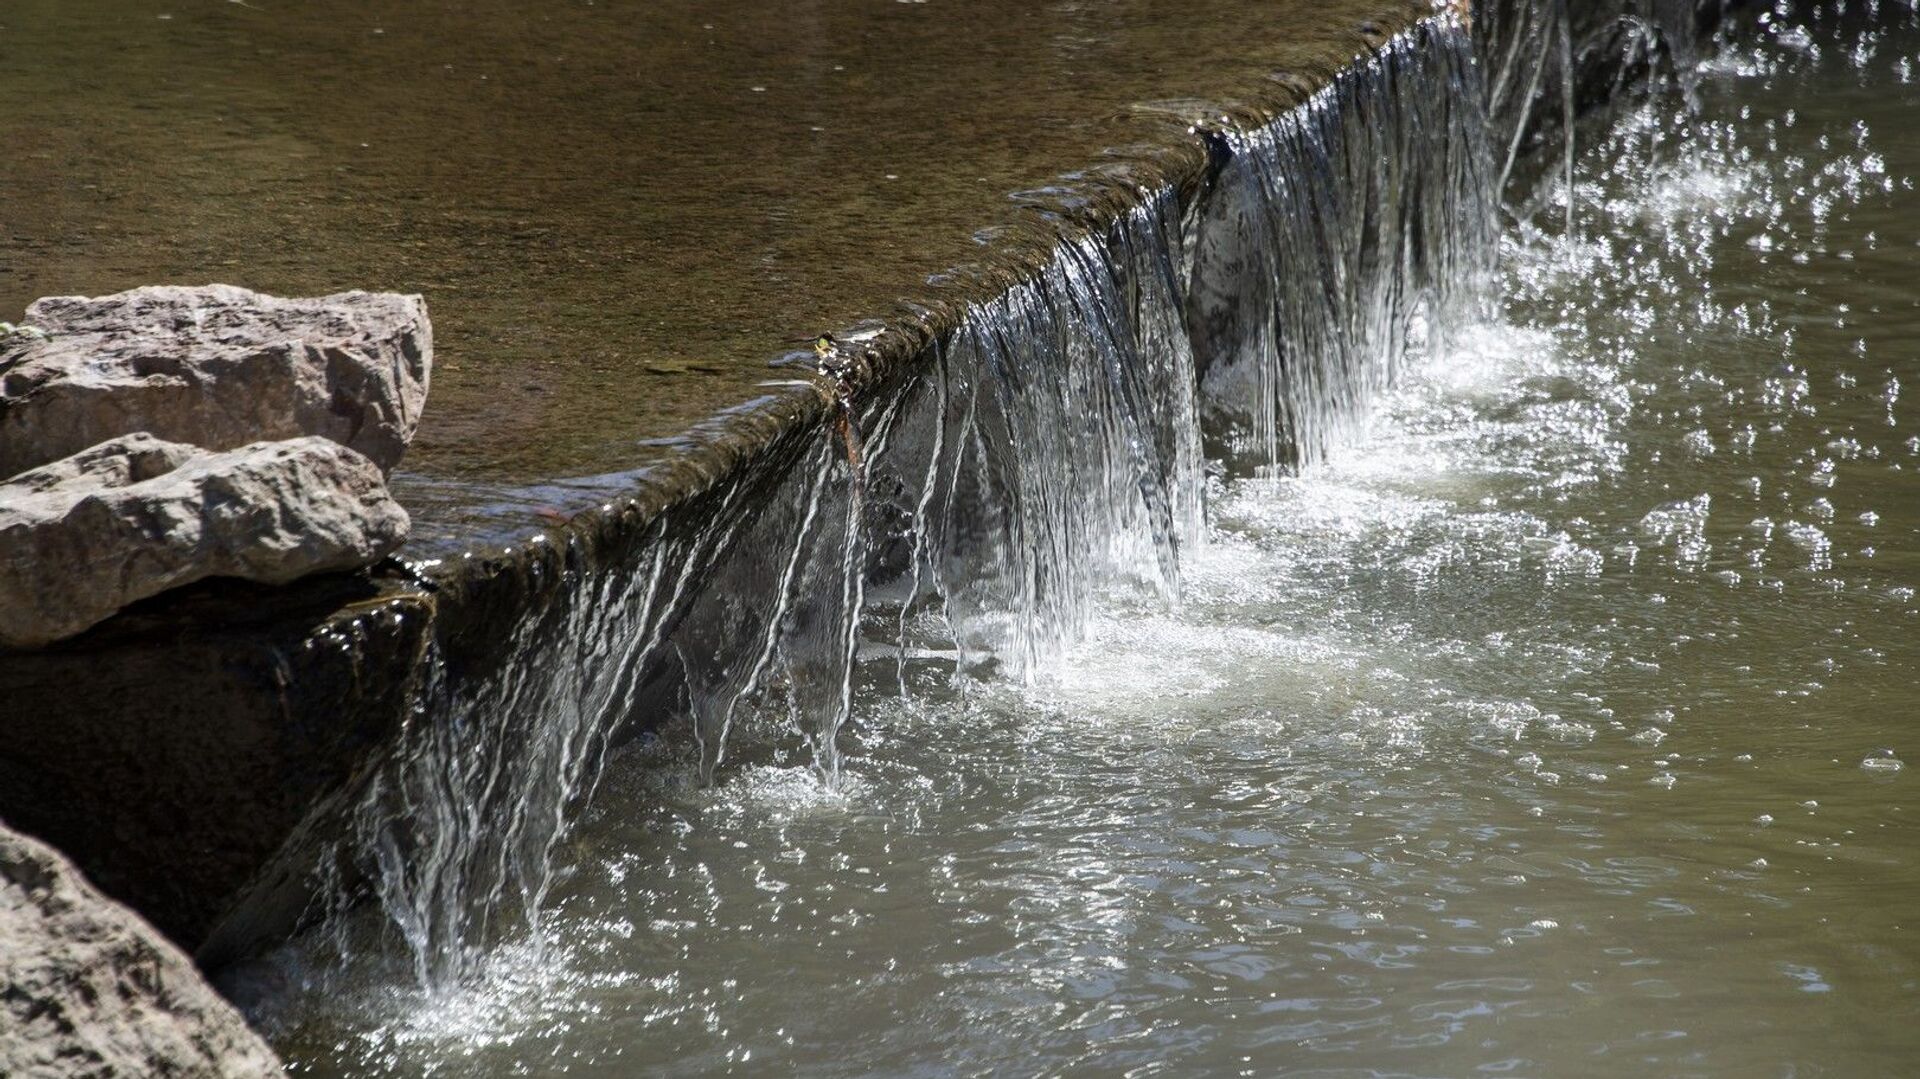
(173, 750)
(88, 990)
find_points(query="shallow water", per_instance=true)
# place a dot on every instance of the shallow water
(1555, 727)
(618, 211)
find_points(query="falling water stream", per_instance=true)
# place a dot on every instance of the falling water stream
(1547, 717)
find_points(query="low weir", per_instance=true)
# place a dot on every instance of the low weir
(1021, 453)
(1045, 448)
(1050, 444)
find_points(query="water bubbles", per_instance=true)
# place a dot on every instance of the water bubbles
(1567, 558)
(1813, 542)
(1567, 730)
(1822, 475)
(1681, 525)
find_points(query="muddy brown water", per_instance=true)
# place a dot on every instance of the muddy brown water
(618, 212)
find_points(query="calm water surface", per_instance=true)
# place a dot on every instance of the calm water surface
(1555, 729)
(618, 210)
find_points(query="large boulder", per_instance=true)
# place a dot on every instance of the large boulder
(85, 536)
(88, 989)
(215, 366)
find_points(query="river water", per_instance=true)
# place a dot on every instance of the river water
(1553, 726)
(617, 210)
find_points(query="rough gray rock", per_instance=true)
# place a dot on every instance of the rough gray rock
(88, 989)
(216, 366)
(85, 536)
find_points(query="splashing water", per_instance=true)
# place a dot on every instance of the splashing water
(1046, 461)
(1356, 225)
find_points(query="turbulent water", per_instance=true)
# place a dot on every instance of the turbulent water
(1552, 723)
(1046, 449)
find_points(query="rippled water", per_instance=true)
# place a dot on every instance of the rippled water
(1555, 727)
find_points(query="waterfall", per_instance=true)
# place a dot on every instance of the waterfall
(1546, 63)
(1048, 445)
(1050, 449)
(1041, 450)
(1331, 236)
(458, 823)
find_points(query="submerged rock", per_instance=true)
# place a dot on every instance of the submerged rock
(215, 366)
(90, 989)
(85, 536)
